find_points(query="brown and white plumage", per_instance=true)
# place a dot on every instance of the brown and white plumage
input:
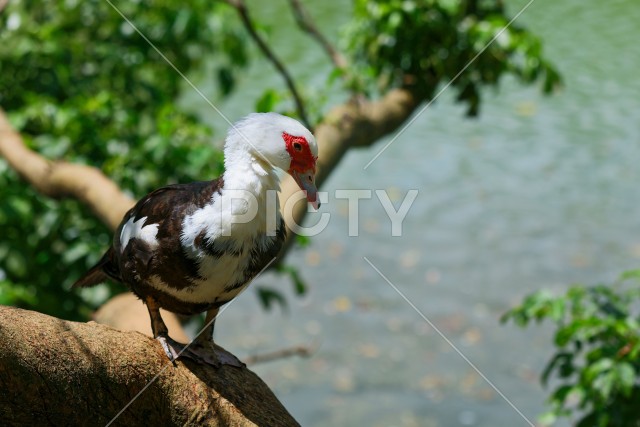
(192, 247)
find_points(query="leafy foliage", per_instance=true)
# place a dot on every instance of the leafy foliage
(596, 365)
(80, 83)
(426, 43)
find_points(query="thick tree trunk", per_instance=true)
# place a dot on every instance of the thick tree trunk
(56, 372)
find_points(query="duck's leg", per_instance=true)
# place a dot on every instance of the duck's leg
(207, 351)
(202, 349)
(160, 332)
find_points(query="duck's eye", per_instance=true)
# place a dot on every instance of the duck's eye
(297, 146)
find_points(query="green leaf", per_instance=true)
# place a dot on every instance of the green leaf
(560, 359)
(603, 384)
(561, 394)
(268, 101)
(557, 309)
(548, 418)
(269, 297)
(226, 81)
(626, 377)
(303, 241)
(597, 368)
(630, 275)
(299, 285)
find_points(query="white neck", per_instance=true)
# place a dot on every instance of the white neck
(246, 172)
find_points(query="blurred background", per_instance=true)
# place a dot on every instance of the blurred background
(537, 192)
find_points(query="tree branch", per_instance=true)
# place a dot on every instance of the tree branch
(299, 350)
(306, 24)
(55, 372)
(126, 312)
(62, 179)
(243, 12)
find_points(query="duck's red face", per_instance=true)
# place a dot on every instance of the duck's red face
(303, 166)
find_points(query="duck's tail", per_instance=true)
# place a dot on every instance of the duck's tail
(106, 268)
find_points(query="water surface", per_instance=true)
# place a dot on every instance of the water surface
(537, 193)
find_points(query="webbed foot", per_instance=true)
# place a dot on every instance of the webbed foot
(212, 354)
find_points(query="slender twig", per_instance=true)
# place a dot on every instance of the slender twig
(306, 24)
(242, 10)
(299, 350)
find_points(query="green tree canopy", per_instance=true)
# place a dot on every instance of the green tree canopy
(81, 84)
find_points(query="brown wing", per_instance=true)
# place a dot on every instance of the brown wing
(162, 206)
(167, 206)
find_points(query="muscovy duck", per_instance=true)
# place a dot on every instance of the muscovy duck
(190, 248)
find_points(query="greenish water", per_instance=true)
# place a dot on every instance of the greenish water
(537, 193)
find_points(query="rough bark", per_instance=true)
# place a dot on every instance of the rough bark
(56, 372)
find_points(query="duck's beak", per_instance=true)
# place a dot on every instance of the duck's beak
(307, 182)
